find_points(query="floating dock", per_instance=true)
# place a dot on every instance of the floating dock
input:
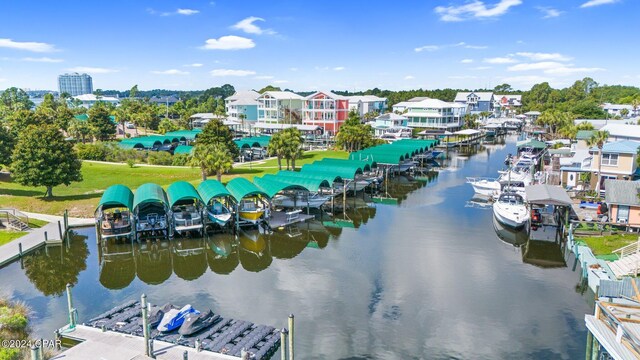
(119, 332)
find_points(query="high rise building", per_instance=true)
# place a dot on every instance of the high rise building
(75, 84)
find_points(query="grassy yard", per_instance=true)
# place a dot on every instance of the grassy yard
(81, 198)
(8, 236)
(604, 245)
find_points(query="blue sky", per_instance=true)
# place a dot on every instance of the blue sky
(328, 45)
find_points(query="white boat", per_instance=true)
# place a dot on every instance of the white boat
(492, 186)
(510, 210)
(396, 133)
(218, 213)
(356, 185)
(312, 200)
(187, 218)
(402, 167)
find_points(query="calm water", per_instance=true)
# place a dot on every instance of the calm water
(426, 279)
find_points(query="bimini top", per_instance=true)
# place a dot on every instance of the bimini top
(272, 186)
(149, 193)
(345, 172)
(240, 188)
(116, 196)
(311, 184)
(180, 191)
(210, 189)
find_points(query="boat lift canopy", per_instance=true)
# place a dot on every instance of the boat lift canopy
(210, 189)
(532, 143)
(240, 188)
(253, 142)
(366, 165)
(543, 194)
(184, 135)
(345, 172)
(310, 184)
(316, 176)
(116, 196)
(149, 193)
(180, 191)
(273, 186)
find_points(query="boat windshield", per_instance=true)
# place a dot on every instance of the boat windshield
(511, 199)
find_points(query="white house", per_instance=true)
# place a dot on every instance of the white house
(435, 114)
(88, 100)
(364, 104)
(619, 132)
(476, 102)
(402, 106)
(275, 106)
(616, 110)
(242, 106)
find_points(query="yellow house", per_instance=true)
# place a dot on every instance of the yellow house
(618, 162)
(624, 203)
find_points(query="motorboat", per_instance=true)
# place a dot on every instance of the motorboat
(250, 212)
(510, 236)
(218, 213)
(113, 214)
(187, 218)
(195, 322)
(355, 185)
(116, 223)
(151, 211)
(494, 186)
(300, 199)
(174, 318)
(510, 210)
(187, 208)
(404, 167)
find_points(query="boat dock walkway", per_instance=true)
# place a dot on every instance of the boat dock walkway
(284, 218)
(119, 334)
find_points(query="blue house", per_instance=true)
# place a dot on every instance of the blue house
(476, 102)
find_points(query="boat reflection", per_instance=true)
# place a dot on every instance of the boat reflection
(154, 262)
(118, 266)
(222, 255)
(510, 236)
(255, 252)
(189, 258)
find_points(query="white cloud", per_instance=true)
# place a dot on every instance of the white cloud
(248, 25)
(482, 68)
(474, 47)
(475, 9)
(170, 72)
(409, 77)
(466, 61)
(294, 69)
(42, 59)
(544, 65)
(427, 48)
(264, 77)
(544, 56)
(92, 70)
(553, 68)
(193, 65)
(228, 72)
(27, 45)
(500, 60)
(3, 80)
(519, 42)
(187, 12)
(229, 42)
(339, 68)
(281, 81)
(591, 3)
(438, 47)
(549, 12)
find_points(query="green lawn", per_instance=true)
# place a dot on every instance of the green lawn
(8, 236)
(82, 197)
(604, 245)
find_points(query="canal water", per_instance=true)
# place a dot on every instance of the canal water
(428, 278)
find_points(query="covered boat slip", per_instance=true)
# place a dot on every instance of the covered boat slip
(550, 206)
(217, 200)
(113, 214)
(151, 211)
(187, 207)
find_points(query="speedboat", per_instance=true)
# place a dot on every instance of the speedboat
(510, 210)
(174, 318)
(312, 200)
(195, 322)
(218, 213)
(187, 218)
(492, 186)
(248, 211)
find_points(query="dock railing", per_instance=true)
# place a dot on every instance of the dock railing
(11, 213)
(633, 248)
(616, 325)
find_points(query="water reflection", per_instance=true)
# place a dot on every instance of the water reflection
(52, 267)
(117, 266)
(154, 262)
(516, 238)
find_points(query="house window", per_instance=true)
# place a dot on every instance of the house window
(623, 214)
(610, 159)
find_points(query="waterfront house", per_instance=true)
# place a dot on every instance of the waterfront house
(384, 122)
(326, 109)
(476, 102)
(279, 106)
(618, 131)
(623, 201)
(532, 116)
(435, 114)
(616, 110)
(364, 104)
(242, 106)
(618, 162)
(507, 105)
(88, 100)
(164, 100)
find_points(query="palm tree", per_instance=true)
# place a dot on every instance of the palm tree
(278, 147)
(599, 138)
(211, 158)
(635, 103)
(624, 112)
(294, 141)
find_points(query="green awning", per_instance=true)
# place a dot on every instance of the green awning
(116, 196)
(365, 164)
(532, 143)
(210, 189)
(183, 149)
(252, 142)
(310, 184)
(345, 172)
(310, 175)
(272, 186)
(146, 141)
(240, 188)
(184, 134)
(379, 157)
(180, 191)
(149, 193)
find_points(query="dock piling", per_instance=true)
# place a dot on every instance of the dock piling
(34, 353)
(197, 345)
(145, 324)
(20, 249)
(185, 355)
(72, 320)
(291, 337)
(60, 230)
(283, 344)
(46, 237)
(151, 349)
(40, 350)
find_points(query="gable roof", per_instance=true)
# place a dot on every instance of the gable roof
(247, 97)
(483, 96)
(365, 98)
(584, 134)
(390, 116)
(622, 192)
(548, 195)
(281, 95)
(329, 94)
(430, 103)
(622, 130)
(619, 147)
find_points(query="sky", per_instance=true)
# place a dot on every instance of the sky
(335, 45)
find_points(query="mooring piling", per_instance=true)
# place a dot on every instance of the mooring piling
(291, 332)
(283, 344)
(145, 324)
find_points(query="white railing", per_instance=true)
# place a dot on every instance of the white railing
(630, 249)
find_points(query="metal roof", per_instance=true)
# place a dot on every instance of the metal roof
(345, 172)
(363, 164)
(547, 195)
(256, 141)
(272, 186)
(240, 188)
(309, 183)
(619, 147)
(182, 190)
(532, 143)
(116, 196)
(622, 192)
(584, 134)
(310, 175)
(379, 157)
(186, 134)
(148, 141)
(148, 193)
(183, 149)
(210, 189)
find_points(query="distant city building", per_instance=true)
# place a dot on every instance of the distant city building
(88, 100)
(75, 84)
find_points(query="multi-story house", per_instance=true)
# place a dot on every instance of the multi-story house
(618, 162)
(507, 105)
(617, 110)
(365, 104)
(476, 102)
(435, 114)
(242, 106)
(326, 109)
(279, 107)
(618, 131)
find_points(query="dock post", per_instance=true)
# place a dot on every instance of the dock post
(40, 350)
(151, 349)
(244, 354)
(283, 344)
(145, 324)
(185, 355)
(20, 249)
(72, 320)
(34, 353)
(197, 345)
(60, 229)
(291, 336)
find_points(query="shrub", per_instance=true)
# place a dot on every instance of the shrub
(10, 353)
(159, 158)
(180, 160)
(12, 320)
(131, 163)
(97, 151)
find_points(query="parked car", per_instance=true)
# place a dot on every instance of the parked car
(130, 125)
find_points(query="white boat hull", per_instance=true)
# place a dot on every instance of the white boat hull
(314, 201)
(513, 216)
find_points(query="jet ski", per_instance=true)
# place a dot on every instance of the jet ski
(174, 318)
(195, 322)
(157, 314)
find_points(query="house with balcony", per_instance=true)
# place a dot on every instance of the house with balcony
(507, 105)
(279, 107)
(242, 107)
(618, 162)
(388, 122)
(476, 102)
(435, 114)
(325, 109)
(364, 104)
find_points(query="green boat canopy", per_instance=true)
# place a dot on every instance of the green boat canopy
(129, 146)
(532, 143)
(273, 186)
(184, 135)
(310, 175)
(183, 149)
(180, 191)
(379, 157)
(149, 193)
(345, 172)
(146, 142)
(251, 142)
(311, 184)
(116, 196)
(240, 188)
(364, 164)
(210, 189)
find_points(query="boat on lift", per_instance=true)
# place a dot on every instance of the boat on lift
(510, 210)
(300, 199)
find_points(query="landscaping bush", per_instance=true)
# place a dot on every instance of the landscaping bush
(180, 160)
(159, 158)
(97, 151)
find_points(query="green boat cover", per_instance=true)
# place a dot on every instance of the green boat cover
(345, 172)
(183, 149)
(116, 196)
(210, 189)
(240, 188)
(272, 186)
(366, 165)
(148, 193)
(182, 190)
(310, 175)
(251, 142)
(532, 143)
(184, 134)
(311, 184)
